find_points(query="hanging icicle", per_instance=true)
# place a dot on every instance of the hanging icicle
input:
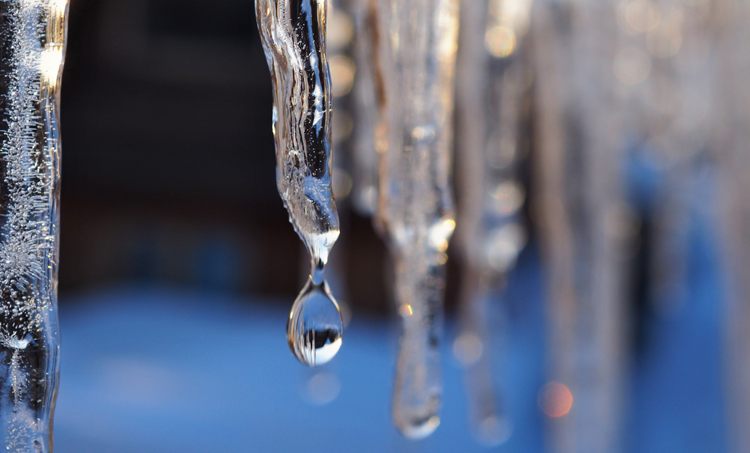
(369, 139)
(579, 208)
(415, 57)
(33, 40)
(293, 34)
(490, 86)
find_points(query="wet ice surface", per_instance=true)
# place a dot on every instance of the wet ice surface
(156, 370)
(293, 36)
(32, 35)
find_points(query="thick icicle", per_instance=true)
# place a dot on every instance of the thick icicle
(580, 207)
(293, 34)
(416, 58)
(33, 40)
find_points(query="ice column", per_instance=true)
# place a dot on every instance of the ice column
(490, 87)
(369, 105)
(416, 58)
(293, 34)
(33, 40)
(580, 210)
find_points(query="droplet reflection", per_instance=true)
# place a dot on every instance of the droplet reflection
(419, 429)
(315, 325)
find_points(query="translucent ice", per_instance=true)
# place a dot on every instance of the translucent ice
(415, 58)
(293, 36)
(33, 38)
(315, 326)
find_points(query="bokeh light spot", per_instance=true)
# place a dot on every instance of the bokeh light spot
(555, 400)
(500, 41)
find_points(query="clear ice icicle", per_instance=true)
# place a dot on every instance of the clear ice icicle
(33, 42)
(490, 88)
(578, 175)
(369, 109)
(293, 36)
(415, 55)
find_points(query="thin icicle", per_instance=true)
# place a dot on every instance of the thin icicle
(416, 58)
(490, 87)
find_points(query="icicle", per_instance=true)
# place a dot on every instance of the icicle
(33, 39)
(369, 108)
(580, 208)
(293, 34)
(416, 58)
(490, 84)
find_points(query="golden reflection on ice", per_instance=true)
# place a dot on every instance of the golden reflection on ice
(50, 63)
(440, 233)
(500, 41)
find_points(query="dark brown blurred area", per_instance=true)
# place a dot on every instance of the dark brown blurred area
(168, 161)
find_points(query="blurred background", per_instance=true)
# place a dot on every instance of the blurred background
(610, 304)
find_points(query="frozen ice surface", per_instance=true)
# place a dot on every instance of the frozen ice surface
(33, 35)
(416, 61)
(293, 35)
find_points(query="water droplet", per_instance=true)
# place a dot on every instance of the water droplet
(468, 349)
(418, 428)
(315, 325)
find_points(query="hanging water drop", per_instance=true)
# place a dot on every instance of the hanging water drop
(315, 323)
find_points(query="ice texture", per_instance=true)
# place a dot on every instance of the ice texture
(415, 59)
(33, 38)
(293, 37)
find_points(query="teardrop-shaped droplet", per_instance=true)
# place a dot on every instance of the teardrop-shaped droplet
(315, 325)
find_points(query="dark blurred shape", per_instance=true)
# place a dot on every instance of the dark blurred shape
(168, 168)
